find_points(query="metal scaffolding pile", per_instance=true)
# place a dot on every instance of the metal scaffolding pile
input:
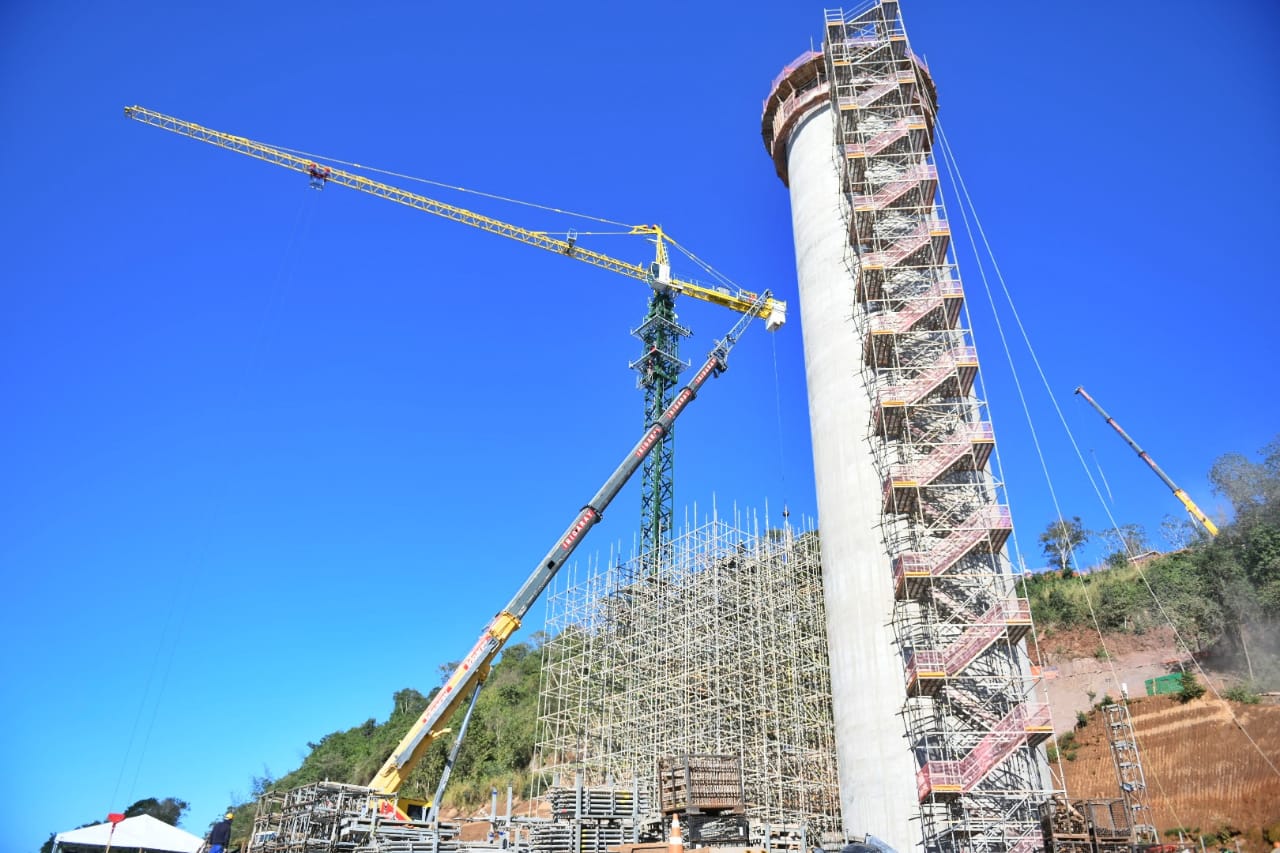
(720, 649)
(972, 718)
(329, 817)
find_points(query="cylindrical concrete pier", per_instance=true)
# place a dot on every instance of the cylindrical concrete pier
(877, 773)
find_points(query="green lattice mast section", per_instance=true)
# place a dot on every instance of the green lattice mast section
(658, 370)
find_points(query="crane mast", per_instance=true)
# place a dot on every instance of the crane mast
(1173, 487)
(474, 668)
(659, 366)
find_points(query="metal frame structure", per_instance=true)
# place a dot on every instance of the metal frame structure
(1129, 773)
(720, 648)
(971, 710)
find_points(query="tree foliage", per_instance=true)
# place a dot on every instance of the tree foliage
(498, 748)
(1222, 592)
(1126, 542)
(1060, 539)
(1253, 488)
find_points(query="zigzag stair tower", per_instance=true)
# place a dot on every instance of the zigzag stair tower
(940, 575)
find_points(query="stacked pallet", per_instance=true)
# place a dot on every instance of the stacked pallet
(589, 820)
(597, 802)
(700, 784)
(705, 791)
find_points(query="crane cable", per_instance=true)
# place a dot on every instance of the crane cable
(710, 270)
(965, 205)
(1017, 382)
(953, 170)
(284, 275)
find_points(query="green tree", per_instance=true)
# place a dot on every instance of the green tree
(1126, 541)
(169, 809)
(1191, 687)
(1060, 539)
(1253, 488)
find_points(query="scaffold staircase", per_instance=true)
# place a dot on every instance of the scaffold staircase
(925, 245)
(988, 527)
(953, 778)
(927, 668)
(945, 520)
(968, 450)
(950, 376)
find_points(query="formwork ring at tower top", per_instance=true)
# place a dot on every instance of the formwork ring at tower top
(925, 629)
(802, 87)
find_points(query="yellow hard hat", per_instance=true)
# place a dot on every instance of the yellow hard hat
(230, 815)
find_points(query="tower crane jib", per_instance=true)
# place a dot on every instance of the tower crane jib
(773, 311)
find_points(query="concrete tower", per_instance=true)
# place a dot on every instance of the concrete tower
(935, 723)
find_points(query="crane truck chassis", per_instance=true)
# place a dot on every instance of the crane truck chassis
(370, 815)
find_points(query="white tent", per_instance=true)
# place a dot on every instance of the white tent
(142, 832)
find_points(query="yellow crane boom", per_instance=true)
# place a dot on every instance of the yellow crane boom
(1190, 505)
(658, 274)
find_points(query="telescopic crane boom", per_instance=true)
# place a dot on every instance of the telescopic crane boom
(475, 666)
(1173, 487)
(659, 365)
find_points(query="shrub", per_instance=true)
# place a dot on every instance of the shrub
(1191, 688)
(1242, 693)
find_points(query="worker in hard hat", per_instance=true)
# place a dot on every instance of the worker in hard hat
(220, 835)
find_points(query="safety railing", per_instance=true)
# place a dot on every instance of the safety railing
(961, 776)
(918, 386)
(885, 138)
(894, 189)
(926, 469)
(796, 103)
(909, 244)
(982, 524)
(981, 633)
(900, 321)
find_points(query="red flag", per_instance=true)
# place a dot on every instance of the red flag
(115, 817)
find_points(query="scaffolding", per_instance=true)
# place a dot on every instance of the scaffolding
(1129, 772)
(331, 817)
(720, 650)
(973, 714)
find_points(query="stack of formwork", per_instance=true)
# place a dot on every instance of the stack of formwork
(1109, 825)
(1086, 826)
(590, 820)
(705, 791)
(331, 817)
(1064, 828)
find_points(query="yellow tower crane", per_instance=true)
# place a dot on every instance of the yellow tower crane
(659, 364)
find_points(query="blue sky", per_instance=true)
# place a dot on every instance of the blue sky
(273, 454)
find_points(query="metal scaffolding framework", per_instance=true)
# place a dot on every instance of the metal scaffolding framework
(1129, 772)
(718, 649)
(971, 709)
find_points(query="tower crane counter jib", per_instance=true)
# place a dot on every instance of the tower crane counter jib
(475, 666)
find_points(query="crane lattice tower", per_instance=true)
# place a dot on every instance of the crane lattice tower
(925, 631)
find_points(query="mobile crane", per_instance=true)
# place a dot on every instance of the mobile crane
(1173, 487)
(659, 365)
(474, 668)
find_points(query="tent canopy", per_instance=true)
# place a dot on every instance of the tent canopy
(143, 832)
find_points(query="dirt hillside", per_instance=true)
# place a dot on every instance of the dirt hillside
(1202, 771)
